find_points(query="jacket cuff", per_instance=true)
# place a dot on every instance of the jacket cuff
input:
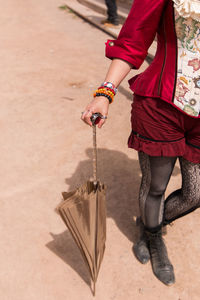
(116, 49)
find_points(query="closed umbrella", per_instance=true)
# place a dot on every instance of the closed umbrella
(84, 213)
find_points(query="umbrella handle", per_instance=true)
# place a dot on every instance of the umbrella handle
(95, 118)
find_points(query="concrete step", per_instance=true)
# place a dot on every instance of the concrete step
(94, 12)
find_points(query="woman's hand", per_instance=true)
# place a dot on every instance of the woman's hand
(97, 105)
(116, 73)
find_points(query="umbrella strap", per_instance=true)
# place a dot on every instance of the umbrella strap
(94, 154)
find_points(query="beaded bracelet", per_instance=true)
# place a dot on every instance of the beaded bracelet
(109, 92)
(102, 94)
(98, 93)
(108, 89)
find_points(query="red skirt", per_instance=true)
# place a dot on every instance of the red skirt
(159, 129)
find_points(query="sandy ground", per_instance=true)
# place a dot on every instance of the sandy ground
(51, 61)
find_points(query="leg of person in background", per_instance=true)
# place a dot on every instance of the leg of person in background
(156, 172)
(113, 18)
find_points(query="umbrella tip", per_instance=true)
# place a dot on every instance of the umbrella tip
(56, 210)
(94, 288)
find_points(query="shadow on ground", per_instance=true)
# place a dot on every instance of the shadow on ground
(122, 177)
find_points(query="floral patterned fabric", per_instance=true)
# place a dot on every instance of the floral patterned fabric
(188, 8)
(187, 94)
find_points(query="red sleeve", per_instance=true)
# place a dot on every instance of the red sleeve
(137, 33)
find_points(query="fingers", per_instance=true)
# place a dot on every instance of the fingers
(98, 105)
(101, 122)
(86, 115)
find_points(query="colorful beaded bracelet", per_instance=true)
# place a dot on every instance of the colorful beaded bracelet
(107, 88)
(105, 95)
(104, 91)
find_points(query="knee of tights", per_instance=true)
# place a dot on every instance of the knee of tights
(156, 193)
(157, 188)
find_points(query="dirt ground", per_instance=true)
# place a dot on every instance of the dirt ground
(51, 61)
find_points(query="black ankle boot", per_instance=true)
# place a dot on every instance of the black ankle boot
(141, 249)
(161, 264)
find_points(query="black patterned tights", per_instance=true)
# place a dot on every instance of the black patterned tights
(156, 172)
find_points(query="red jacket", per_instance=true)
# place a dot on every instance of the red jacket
(146, 18)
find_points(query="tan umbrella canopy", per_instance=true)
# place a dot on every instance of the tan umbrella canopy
(84, 213)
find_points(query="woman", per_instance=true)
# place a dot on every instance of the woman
(165, 114)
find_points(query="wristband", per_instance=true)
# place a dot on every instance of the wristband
(109, 85)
